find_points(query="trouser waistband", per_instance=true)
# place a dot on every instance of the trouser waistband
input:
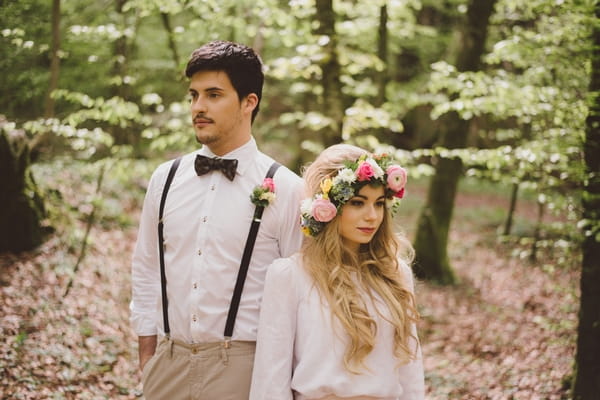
(233, 348)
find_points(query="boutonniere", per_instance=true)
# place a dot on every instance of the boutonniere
(263, 194)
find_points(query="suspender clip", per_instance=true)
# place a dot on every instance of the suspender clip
(227, 342)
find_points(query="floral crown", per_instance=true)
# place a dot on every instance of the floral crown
(335, 191)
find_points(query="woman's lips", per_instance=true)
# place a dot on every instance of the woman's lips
(367, 230)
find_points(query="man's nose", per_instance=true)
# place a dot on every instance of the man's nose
(198, 105)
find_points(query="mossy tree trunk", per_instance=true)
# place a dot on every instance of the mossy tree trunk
(431, 239)
(21, 206)
(587, 371)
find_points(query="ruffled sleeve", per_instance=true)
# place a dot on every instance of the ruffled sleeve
(272, 374)
(412, 376)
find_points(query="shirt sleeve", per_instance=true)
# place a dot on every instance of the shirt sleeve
(145, 272)
(272, 374)
(412, 376)
(290, 234)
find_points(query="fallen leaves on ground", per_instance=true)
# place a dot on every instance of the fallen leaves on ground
(506, 331)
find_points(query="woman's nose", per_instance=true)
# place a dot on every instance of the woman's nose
(371, 212)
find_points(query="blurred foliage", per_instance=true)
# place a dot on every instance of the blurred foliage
(122, 92)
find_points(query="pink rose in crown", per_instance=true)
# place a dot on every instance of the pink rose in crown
(396, 177)
(269, 184)
(323, 210)
(365, 171)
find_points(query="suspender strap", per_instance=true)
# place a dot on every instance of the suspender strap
(161, 253)
(243, 271)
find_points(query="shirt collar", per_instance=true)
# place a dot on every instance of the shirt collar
(245, 154)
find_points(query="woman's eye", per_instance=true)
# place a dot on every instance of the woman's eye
(356, 203)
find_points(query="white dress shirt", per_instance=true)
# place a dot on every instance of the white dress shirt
(299, 355)
(206, 223)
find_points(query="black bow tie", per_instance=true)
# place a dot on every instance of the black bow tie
(204, 165)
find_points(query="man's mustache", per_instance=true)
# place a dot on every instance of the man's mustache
(201, 116)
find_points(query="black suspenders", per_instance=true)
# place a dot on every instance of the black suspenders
(245, 262)
(161, 247)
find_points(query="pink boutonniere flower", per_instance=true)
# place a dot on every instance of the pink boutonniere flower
(263, 194)
(269, 184)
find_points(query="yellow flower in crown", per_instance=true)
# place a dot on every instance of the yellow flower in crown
(326, 186)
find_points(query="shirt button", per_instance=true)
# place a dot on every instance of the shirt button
(195, 285)
(212, 187)
(204, 219)
(199, 252)
(194, 318)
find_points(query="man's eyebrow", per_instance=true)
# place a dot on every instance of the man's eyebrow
(207, 90)
(210, 89)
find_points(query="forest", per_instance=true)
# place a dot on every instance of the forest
(492, 106)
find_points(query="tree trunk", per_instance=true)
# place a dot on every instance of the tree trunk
(54, 60)
(21, 206)
(122, 89)
(382, 52)
(431, 239)
(537, 232)
(587, 370)
(166, 21)
(331, 70)
(511, 209)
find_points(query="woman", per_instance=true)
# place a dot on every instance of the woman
(338, 319)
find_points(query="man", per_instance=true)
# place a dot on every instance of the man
(186, 352)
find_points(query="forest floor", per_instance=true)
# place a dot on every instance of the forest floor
(507, 330)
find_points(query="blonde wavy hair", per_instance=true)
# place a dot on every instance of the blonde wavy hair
(341, 276)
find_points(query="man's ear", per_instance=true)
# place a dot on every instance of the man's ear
(250, 103)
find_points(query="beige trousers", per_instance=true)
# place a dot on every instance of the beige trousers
(179, 371)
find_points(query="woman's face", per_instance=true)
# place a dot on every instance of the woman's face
(362, 215)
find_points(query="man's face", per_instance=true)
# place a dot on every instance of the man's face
(221, 121)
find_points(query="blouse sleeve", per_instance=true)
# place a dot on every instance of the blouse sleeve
(412, 376)
(272, 374)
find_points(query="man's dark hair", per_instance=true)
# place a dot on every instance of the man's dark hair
(241, 64)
